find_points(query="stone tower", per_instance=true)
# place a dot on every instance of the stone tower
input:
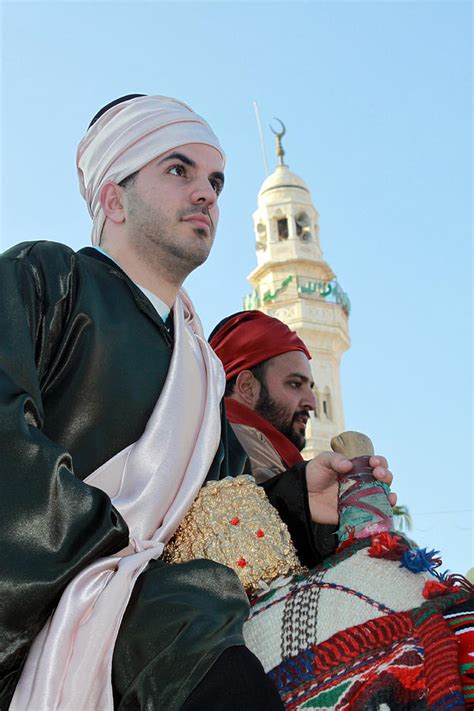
(294, 283)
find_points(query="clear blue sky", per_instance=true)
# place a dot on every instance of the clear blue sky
(376, 97)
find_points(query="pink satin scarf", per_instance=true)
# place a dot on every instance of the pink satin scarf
(153, 482)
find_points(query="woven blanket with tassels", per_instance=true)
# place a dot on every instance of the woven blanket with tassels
(363, 631)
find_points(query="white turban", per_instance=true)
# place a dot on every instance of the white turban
(128, 136)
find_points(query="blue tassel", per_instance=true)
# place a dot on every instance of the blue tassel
(418, 560)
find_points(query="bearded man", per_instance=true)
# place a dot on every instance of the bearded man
(318, 658)
(269, 396)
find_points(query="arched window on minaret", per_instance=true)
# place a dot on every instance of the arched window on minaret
(303, 226)
(317, 409)
(282, 228)
(326, 409)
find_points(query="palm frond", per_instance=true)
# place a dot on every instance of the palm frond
(402, 518)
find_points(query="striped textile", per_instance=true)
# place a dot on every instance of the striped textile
(460, 618)
(358, 634)
(405, 661)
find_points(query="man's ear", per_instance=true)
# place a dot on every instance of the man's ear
(247, 388)
(111, 202)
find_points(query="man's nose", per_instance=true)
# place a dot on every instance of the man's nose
(203, 193)
(308, 400)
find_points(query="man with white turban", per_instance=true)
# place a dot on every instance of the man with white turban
(110, 424)
(110, 413)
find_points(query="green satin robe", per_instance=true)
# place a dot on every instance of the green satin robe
(83, 359)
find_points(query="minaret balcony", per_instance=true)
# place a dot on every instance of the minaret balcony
(299, 287)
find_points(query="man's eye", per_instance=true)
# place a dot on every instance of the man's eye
(216, 185)
(295, 384)
(178, 170)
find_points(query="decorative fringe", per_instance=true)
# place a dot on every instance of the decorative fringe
(419, 560)
(435, 588)
(390, 546)
(460, 582)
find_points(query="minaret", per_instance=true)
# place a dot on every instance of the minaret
(295, 284)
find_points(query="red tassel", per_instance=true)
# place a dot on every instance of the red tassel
(349, 541)
(388, 546)
(435, 588)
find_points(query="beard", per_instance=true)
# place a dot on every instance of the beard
(278, 416)
(157, 239)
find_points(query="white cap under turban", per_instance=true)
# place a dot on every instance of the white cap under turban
(128, 136)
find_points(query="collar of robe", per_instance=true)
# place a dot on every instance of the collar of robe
(241, 415)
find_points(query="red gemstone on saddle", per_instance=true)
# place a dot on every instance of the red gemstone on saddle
(235, 521)
(260, 533)
(242, 563)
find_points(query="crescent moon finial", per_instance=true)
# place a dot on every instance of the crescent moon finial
(283, 128)
(278, 136)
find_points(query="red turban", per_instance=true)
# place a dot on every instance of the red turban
(250, 338)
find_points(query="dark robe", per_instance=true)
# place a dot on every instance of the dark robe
(83, 359)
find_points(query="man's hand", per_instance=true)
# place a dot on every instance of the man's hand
(322, 478)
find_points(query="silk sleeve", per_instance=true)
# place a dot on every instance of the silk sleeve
(51, 523)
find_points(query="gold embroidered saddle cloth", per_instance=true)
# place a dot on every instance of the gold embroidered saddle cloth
(233, 523)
